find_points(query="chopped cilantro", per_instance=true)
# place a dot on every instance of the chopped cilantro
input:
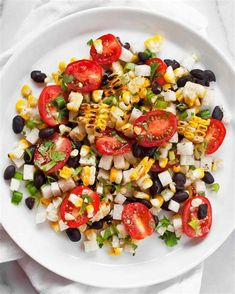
(68, 78)
(169, 238)
(164, 222)
(108, 233)
(128, 185)
(156, 154)
(87, 197)
(100, 241)
(149, 53)
(150, 94)
(153, 66)
(90, 42)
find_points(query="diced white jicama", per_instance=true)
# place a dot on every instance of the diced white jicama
(126, 175)
(66, 185)
(126, 55)
(55, 189)
(32, 137)
(167, 194)
(188, 182)
(170, 228)
(174, 206)
(18, 152)
(115, 242)
(165, 178)
(185, 148)
(106, 162)
(100, 189)
(52, 216)
(68, 216)
(103, 211)
(187, 160)
(117, 211)
(122, 233)
(92, 175)
(90, 246)
(15, 184)
(28, 173)
(62, 226)
(46, 191)
(171, 108)
(200, 187)
(78, 133)
(206, 162)
(154, 210)
(161, 230)
(142, 70)
(74, 153)
(103, 174)
(18, 162)
(119, 161)
(130, 158)
(119, 199)
(117, 68)
(134, 115)
(89, 160)
(174, 138)
(40, 216)
(189, 61)
(169, 96)
(177, 222)
(56, 202)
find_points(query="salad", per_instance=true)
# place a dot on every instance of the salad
(118, 147)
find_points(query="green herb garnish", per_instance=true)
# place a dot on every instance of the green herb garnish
(149, 53)
(90, 42)
(205, 114)
(169, 238)
(100, 241)
(31, 188)
(57, 156)
(153, 66)
(68, 78)
(59, 102)
(82, 209)
(183, 115)
(164, 222)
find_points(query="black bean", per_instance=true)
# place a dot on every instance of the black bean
(130, 200)
(143, 56)
(46, 132)
(179, 179)
(38, 76)
(208, 178)
(108, 219)
(73, 161)
(198, 73)
(77, 144)
(104, 80)
(156, 88)
(97, 225)
(209, 75)
(217, 113)
(180, 196)
(136, 150)
(30, 201)
(108, 72)
(179, 188)
(201, 82)
(112, 189)
(156, 187)
(73, 234)
(29, 154)
(39, 179)
(9, 172)
(127, 46)
(148, 151)
(18, 124)
(145, 202)
(173, 63)
(156, 220)
(183, 80)
(202, 211)
(165, 205)
(71, 124)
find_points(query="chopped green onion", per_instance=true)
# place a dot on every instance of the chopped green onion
(18, 175)
(48, 166)
(108, 233)
(77, 171)
(184, 115)
(16, 197)
(153, 66)
(160, 104)
(205, 114)
(181, 106)
(150, 94)
(31, 188)
(100, 241)
(59, 102)
(149, 53)
(109, 100)
(128, 186)
(129, 66)
(30, 124)
(215, 187)
(68, 78)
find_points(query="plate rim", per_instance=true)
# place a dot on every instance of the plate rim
(24, 44)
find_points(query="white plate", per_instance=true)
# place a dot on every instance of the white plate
(154, 262)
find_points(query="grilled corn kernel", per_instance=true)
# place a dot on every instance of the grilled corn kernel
(32, 100)
(90, 210)
(55, 77)
(163, 162)
(176, 168)
(45, 201)
(166, 87)
(20, 105)
(25, 114)
(126, 97)
(66, 172)
(115, 251)
(142, 168)
(115, 175)
(179, 95)
(72, 59)
(147, 183)
(97, 95)
(62, 65)
(157, 201)
(85, 176)
(24, 143)
(169, 76)
(11, 155)
(55, 226)
(172, 187)
(26, 91)
(85, 150)
(154, 44)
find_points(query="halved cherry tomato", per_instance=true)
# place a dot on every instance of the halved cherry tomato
(157, 169)
(160, 70)
(215, 135)
(86, 75)
(48, 111)
(79, 213)
(138, 220)
(155, 127)
(51, 154)
(111, 143)
(191, 213)
(111, 50)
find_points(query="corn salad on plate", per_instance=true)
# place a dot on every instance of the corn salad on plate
(119, 150)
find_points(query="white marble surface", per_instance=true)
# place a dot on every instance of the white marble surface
(219, 269)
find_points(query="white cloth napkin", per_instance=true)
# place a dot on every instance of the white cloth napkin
(44, 13)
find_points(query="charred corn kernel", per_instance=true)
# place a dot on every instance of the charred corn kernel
(157, 201)
(142, 168)
(24, 143)
(184, 169)
(115, 251)
(154, 44)
(55, 77)
(176, 168)
(169, 76)
(72, 59)
(189, 135)
(124, 107)
(86, 175)
(55, 226)
(97, 95)
(62, 65)
(90, 210)
(25, 114)
(163, 162)
(127, 130)
(134, 58)
(66, 172)
(32, 100)
(26, 91)
(198, 173)
(20, 105)
(45, 201)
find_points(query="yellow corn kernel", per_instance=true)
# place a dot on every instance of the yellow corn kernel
(134, 58)
(176, 168)
(199, 173)
(180, 72)
(172, 187)
(126, 97)
(45, 201)
(62, 65)
(146, 83)
(113, 174)
(154, 43)
(145, 108)
(97, 95)
(179, 95)
(20, 105)
(25, 144)
(26, 91)
(147, 183)
(197, 102)
(166, 87)
(55, 226)
(115, 251)
(86, 175)
(72, 59)
(55, 77)
(163, 162)
(66, 172)
(189, 135)
(11, 155)
(157, 201)
(141, 195)
(90, 210)
(32, 100)
(24, 114)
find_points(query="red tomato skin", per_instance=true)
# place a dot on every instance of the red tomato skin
(64, 145)
(111, 50)
(214, 127)
(87, 72)
(185, 214)
(160, 70)
(84, 218)
(172, 123)
(48, 94)
(140, 211)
